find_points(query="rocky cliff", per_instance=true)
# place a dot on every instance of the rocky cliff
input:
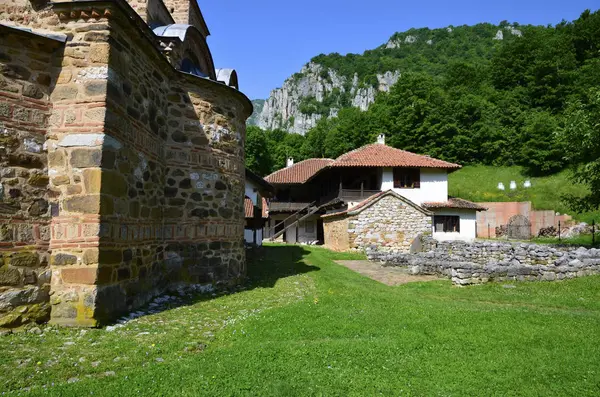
(317, 92)
(331, 82)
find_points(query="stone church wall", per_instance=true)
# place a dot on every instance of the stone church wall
(145, 170)
(27, 65)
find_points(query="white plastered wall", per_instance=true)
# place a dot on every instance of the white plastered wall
(305, 236)
(434, 186)
(249, 236)
(468, 225)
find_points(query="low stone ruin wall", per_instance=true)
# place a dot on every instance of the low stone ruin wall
(480, 262)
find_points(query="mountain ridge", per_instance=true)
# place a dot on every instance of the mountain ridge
(328, 83)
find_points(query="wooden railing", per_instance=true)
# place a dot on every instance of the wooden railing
(356, 194)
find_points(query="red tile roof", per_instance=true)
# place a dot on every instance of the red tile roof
(380, 155)
(249, 208)
(454, 202)
(299, 172)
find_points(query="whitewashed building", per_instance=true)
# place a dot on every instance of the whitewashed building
(315, 187)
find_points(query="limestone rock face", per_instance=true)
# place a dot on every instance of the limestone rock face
(283, 108)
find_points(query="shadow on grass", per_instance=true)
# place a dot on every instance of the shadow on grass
(265, 265)
(268, 264)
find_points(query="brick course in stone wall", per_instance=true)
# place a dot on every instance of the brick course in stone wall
(27, 72)
(483, 261)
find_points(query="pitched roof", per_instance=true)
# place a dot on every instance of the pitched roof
(299, 172)
(381, 155)
(454, 202)
(372, 200)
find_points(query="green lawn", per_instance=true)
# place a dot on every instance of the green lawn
(307, 326)
(480, 183)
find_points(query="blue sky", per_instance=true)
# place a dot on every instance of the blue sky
(266, 41)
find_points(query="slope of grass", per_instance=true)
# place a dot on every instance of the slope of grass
(480, 183)
(307, 326)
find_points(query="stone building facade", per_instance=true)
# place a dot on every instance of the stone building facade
(385, 221)
(121, 159)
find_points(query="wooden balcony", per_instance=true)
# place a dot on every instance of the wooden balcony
(348, 195)
(356, 194)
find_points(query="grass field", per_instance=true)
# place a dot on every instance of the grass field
(304, 325)
(480, 183)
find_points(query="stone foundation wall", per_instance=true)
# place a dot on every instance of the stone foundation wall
(335, 231)
(480, 262)
(27, 72)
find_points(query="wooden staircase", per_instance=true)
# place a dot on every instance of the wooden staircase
(295, 218)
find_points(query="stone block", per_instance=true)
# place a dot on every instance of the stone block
(85, 275)
(84, 204)
(83, 158)
(94, 88)
(65, 92)
(38, 180)
(90, 256)
(99, 53)
(56, 159)
(110, 256)
(61, 180)
(24, 259)
(62, 259)
(9, 276)
(114, 184)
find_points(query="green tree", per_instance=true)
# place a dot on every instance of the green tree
(581, 135)
(258, 157)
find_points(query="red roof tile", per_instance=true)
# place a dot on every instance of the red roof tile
(299, 172)
(454, 202)
(380, 155)
(248, 208)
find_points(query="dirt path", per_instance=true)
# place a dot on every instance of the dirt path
(384, 274)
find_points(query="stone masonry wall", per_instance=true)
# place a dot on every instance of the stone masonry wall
(27, 72)
(390, 224)
(145, 168)
(335, 231)
(480, 262)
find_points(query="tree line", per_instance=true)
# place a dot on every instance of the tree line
(532, 101)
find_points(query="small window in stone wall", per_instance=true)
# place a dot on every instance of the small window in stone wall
(446, 223)
(309, 226)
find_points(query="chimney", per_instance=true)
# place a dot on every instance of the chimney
(290, 162)
(381, 139)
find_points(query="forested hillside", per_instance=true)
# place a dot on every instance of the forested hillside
(508, 100)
